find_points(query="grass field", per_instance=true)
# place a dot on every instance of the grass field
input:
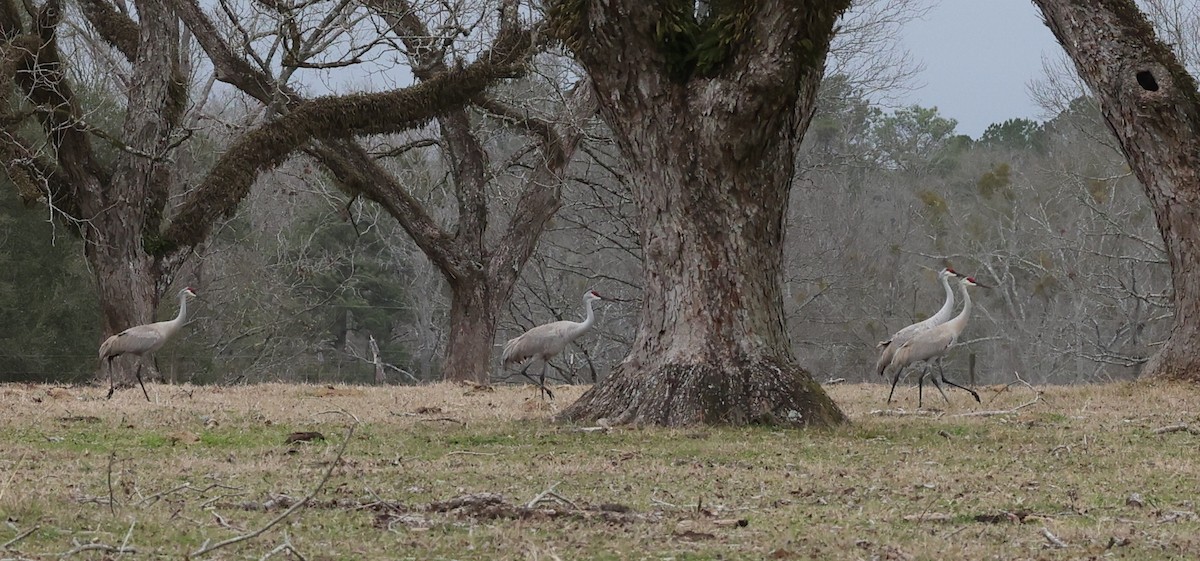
(457, 472)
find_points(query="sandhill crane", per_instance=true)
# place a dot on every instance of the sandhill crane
(545, 341)
(934, 344)
(900, 337)
(143, 339)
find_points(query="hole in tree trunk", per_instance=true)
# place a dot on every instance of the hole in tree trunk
(1146, 80)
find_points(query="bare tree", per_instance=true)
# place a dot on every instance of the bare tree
(1152, 106)
(708, 108)
(136, 243)
(481, 271)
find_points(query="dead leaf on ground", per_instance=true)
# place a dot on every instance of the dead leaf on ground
(303, 436)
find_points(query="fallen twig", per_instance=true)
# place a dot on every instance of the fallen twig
(1053, 539)
(297, 506)
(663, 503)
(470, 453)
(903, 413)
(162, 494)
(97, 547)
(1182, 427)
(111, 499)
(19, 537)
(128, 534)
(285, 546)
(550, 494)
(13, 476)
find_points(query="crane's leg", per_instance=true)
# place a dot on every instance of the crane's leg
(545, 392)
(921, 387)
(525, 373)
(968, 390)
(111, 386)
(937, 383)
(139, 379)
(895, 379)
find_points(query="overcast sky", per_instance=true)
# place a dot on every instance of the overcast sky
(979, 57)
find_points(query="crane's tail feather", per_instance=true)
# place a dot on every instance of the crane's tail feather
(512, 352)
(106, 346)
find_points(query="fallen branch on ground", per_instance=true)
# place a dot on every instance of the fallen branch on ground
(1183, 427)
(903, 413)
(1053, 539)
(550, 494)
(97, 547)
(19, 537)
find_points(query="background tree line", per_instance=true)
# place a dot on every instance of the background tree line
(312, 265)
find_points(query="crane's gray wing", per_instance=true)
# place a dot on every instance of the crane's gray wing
(548, 339)
(925, 346)
(136, 340)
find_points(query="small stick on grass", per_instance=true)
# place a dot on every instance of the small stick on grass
(285, 546)
(550, 494)
(1182, 427)
(19, 537)
(97, 547)
(112, 501)
(125, 542)
(155, 497)
(470, 453)
(1053, 539)
(10, 479)
(297, 506)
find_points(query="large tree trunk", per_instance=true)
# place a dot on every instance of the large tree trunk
(711, 346)
(473, 311)
(711, 137)
(1151, 104)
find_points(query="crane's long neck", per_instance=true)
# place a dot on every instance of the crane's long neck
(181, 317)
(948, 307)
(959, 323)
(591, 316)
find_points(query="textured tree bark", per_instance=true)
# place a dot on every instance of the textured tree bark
(130, 280)
(473, 312)
(1151, 105)
(121, 201)
(711, 146)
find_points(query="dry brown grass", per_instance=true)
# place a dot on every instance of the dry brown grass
(1082, 466)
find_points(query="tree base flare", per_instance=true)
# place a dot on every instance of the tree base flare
(688, 394)
(1176, 360)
